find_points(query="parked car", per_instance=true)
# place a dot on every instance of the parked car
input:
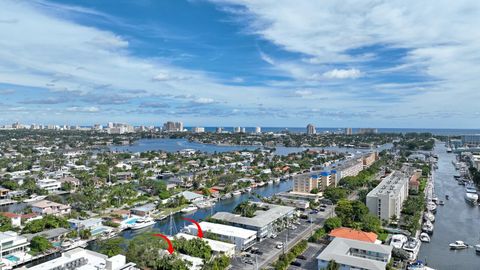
(301, 257)
(296, 263)
(273, 236)
(279, 245)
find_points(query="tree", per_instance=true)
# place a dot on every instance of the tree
(335, 194)
(371, 223)
(245, 209)
(332, 265)
(332, 223)
(67, 186)
(5, 224)
(111, 247)
(344, 211)
(85, 234)
(40, 244)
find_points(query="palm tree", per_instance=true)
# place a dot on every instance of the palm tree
(332, 265)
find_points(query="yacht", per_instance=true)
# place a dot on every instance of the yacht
(424, 237)
(398, 240)
(142, 223)
(477, 248)
(270, 182)
(427, 227)
(441, 202)
(418, 265)
(236, 193)
(412, 245)
(248, 189)
(276, 180)
(458, 245)
(429, 216)
(68, 244)
(34, 198)
(432, 207)
(471, 193)
(189, 209)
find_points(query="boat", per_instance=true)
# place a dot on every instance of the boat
(447, 197)
(427, 227)
(226, 196)
(161, 217)
(248, 189)
(236, 193)
(34, 198)
(189, 209)
(432, 207)
(424, 237)
(441, 202)
(68, 244)
(276, 180)
(270, 182)
(435, 199)
(429, 216)
(471, 193)
(458, 245)
(477, 248)
(418, 265)
(142, 223)
(412, 246)
(398, 240)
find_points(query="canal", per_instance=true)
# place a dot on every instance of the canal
(456, 220)
(221, 206)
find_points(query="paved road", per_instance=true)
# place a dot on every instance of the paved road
(268, 246)
(311, 253)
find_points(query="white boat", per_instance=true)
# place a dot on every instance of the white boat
(429, 216)
(248, 189)
(431, 206)
(424, 237)
(270, 182)
(477, 248)
(34, 198)
(471, 193)
(427, 227)
(458, 245)
(236, 193)
(189, 209)
(398, 240)
(276, 180)
(412, 245)
(142, 223)
(68, 244)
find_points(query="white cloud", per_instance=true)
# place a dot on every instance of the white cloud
(90, 109)
(303, 93)
(343, 74)
(204, 100)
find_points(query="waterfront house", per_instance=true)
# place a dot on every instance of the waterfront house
(192, 196)
(52, 235)
(144, 210)
(46, 207)
(15, 219)
(11, 243)
(49, 185)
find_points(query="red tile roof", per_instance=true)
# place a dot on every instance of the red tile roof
(10, 215)
(349, 233)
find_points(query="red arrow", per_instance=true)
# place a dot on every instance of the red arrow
(199, 229)
(170, 246)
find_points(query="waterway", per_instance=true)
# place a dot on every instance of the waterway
(456, 220)
(227, 205)
(174, 145)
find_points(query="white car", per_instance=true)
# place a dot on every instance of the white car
(279, 245)
(273, 236)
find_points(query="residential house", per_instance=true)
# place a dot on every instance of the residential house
(46, 207)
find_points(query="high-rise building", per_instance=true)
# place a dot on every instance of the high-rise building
(237, 130)
(472, 139)
(198, 129)
(348, 131)
(173, 126)
(311, 129)
(258, 130)
(219, 130)
(386, 200)
(242, 130)
(368, 131)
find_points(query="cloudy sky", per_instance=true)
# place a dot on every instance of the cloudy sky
(376, 63)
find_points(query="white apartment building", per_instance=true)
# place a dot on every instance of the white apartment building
(11, 243)
(49, 184)
(354, 255)
(349, 168)
(83, 259)
(198, 130)
(387, 198)
(242, 238)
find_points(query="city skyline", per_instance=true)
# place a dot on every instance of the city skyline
(240, 63)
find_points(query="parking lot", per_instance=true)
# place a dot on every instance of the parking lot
(268, 252)
(311, 253)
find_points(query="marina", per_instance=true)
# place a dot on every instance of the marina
(456, 221)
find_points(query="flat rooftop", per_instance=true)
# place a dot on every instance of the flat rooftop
(217, 246)
(390, 184)
(226, 230)
(339, 250)
(262, 217)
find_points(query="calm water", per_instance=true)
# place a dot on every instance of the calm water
(221, 206)
(456, 220)
(174, 145)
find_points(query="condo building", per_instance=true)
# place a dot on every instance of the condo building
(198, 129)
(320, 181)
(311, 129)
(387, 198)
(173, 126)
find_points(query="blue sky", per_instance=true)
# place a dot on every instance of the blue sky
(241, 62)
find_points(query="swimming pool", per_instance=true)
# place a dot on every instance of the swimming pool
(12, 258)
(131, 221)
